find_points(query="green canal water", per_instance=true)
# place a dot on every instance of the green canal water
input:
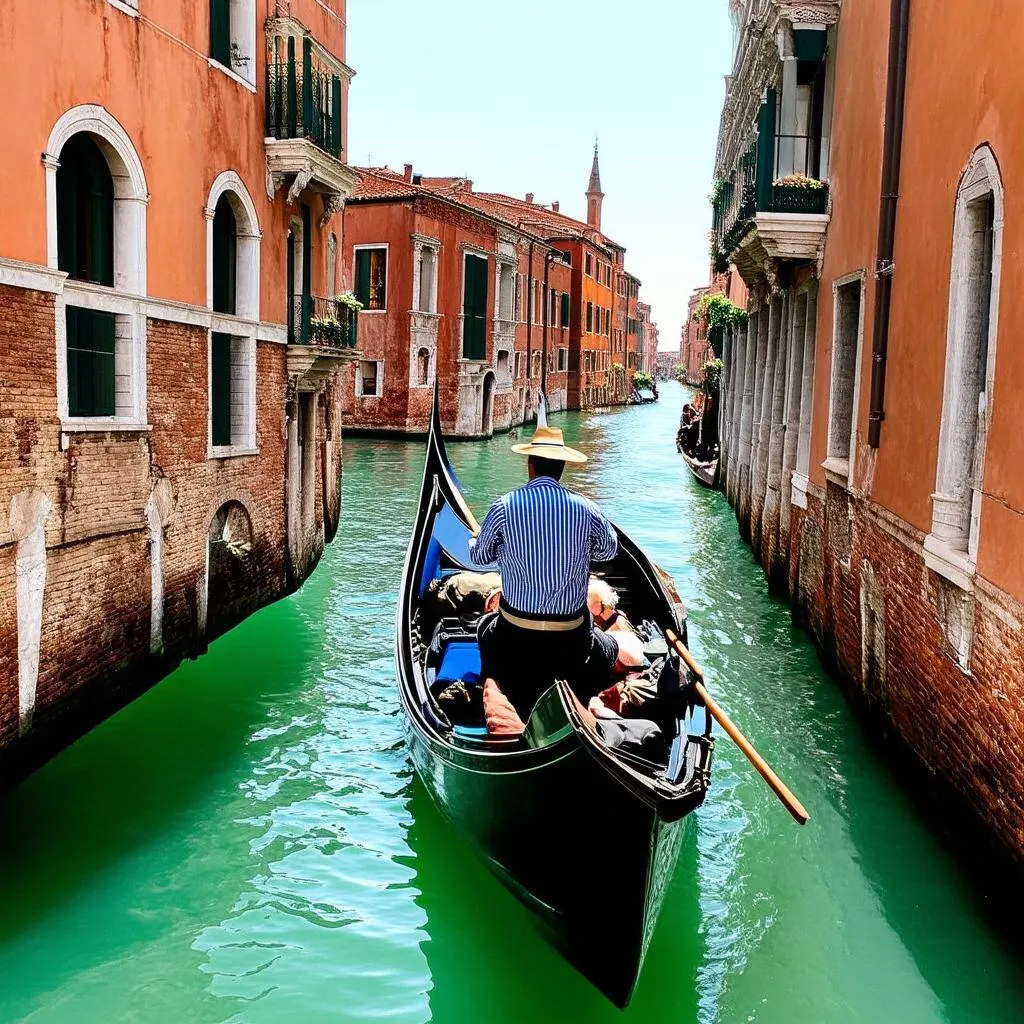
(247, 841)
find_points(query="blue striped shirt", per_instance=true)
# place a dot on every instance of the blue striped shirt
(544, 538)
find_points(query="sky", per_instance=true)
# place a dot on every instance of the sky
(511, 93)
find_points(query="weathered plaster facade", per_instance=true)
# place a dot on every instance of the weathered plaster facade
(133, 533)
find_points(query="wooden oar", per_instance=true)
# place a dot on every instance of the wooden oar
(781, 790)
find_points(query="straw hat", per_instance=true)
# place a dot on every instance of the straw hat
(548, 443)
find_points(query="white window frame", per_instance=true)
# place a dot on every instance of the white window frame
(380, 378)
(421, 244)
(247, 236)
(242, 18)
(131, 197)
(981, 178)
(414, 378)
(243, 363)
(840, 470)
(387, 274)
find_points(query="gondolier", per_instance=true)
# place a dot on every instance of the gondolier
(544, 538)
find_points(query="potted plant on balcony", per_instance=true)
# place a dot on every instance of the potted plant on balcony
(798, 193)
(327, 330)
(716, 312)
(348, 307)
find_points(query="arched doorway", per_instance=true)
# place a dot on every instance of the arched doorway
(231, 591)
(487, 407)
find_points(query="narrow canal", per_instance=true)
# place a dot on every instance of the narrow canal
(247, 842)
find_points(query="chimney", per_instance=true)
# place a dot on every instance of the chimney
(529, 197)
(408, 173)
(554, 206)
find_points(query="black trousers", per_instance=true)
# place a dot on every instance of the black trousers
(526, 662)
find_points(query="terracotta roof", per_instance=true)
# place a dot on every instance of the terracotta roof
(382, 183)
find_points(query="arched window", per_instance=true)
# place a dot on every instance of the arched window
(96, 233)
(423, 366)
(332, 266)
(233, 257)
(972, 329)
(85, 212)
(85, 251)
(225, 257)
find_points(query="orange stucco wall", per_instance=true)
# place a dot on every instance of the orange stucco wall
(948, 115)
(187, 120)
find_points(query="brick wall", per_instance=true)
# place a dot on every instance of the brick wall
(893, 631)
(96, 608)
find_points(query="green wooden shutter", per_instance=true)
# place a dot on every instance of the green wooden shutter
(565, 309)
(225, 252)
(766, 150)
(90, 357)
(220, 32)
(220, 389)
(475, 309)
(590, 316)
(363, 276)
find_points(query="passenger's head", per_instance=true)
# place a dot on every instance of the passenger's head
(536, 466)
(601, 598)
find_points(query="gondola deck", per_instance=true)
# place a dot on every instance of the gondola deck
(554, 812)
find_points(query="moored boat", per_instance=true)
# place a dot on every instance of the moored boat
(584, 835)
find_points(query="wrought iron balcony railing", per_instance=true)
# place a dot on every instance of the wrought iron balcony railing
(304, 101)
(314, 320)
(776, 174)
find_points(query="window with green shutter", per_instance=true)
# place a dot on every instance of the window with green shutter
(474, 308)
(220, 31)
(220, 389)
(85, 212)
(372, 277)
(590, 317)
(565, 309)
(225, 257)
(90, 353)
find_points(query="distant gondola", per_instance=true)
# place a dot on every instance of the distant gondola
(705, 472)
(585, 836)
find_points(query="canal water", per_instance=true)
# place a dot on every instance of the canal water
(247, 841)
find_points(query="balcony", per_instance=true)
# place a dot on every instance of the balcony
(303, 128)
(772, 207)
(321, 340)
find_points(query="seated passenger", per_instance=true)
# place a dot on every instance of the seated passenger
(603, 602)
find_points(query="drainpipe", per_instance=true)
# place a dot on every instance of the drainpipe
(892, 150)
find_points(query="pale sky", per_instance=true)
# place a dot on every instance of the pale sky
(511, 94)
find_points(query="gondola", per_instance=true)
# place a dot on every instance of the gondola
(704, 472)
(585, 836)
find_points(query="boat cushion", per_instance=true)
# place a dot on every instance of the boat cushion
(461, 661)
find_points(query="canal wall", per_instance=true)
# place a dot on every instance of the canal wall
(123, 552)
(935, 670)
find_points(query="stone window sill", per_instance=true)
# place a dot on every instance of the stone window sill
(234, 75)
(951, 564)
(230, 451)
(101, 425)
(838, 471)
(371, 312)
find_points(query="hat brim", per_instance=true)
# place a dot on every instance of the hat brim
(557, 452)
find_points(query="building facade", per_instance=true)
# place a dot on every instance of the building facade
(647, 340)
(451, 293)
(871, 445)
(169, 419)
(548, 298)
